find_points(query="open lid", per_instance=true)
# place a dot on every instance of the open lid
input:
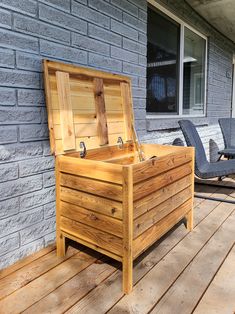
(86, 105)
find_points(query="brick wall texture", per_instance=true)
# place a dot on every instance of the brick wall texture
(105, 34)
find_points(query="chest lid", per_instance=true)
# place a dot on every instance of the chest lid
(86, 105)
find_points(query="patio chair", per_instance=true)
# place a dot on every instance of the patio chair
(203, 168)
(227, 126)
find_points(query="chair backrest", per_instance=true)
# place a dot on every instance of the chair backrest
(227, 126)
(192, 139)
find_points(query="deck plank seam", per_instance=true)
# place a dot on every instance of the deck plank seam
(221, 264)
(190, 262)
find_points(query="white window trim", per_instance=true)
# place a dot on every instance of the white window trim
(153, 115)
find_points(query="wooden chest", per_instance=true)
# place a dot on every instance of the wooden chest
(112, 194)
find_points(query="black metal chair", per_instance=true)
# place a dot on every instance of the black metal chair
(203, 168)
(227, 126)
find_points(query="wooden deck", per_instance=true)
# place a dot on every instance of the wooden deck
(182, 273)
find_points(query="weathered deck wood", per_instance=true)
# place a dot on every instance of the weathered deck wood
(42, 286)
(155, 283)
(73, 290)
(178, 298)
(220, 296)
(175, 273)
(25, 261)
(31, 271)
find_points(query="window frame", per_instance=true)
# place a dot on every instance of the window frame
(182, 24)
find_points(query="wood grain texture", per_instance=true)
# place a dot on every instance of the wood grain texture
(73, 290)
(88, 217)
(86, 72)
(93, 246)
(190, 214)
(47, 87)
(96, 187)
(202, 275)
(219, 297)
(97, 237)
(95, 203)
(66, 113)
(127, 105)
(150, 218)
(148, 186)
(26, 261)
(108, 293)
(102, 127)
(148, 237)
(29, 272)
(160, 164)
(127, 264)
(84, 105)
(21, 299)
(60, 239)
(148, 202)
(92, 169)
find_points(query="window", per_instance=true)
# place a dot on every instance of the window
(176, 67)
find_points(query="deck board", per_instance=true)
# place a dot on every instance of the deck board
(220, 295)
(181, 273)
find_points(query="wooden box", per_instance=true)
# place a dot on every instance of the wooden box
(116, 198)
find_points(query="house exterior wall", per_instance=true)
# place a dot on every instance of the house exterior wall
(105, 34)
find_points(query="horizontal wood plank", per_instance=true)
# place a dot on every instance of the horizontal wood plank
(87, 116)
(96, 187)
(88, 217)
(89, 129)
(156, 166)
(91, 169)
(97, 237)
(148, 202)
(95, 203)
(146, 187)
(92, 246)
(157, 213)
(86, 72)
(161, 227)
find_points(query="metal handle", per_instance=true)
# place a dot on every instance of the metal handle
(120, 142)
(83, 152)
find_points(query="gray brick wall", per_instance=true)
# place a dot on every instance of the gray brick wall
(105, 34)
(109, 35)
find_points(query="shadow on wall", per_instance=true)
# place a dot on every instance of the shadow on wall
(178, 142)
(213, 148)
(213, 151)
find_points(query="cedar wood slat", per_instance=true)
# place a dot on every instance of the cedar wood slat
(66, 114)
(102, 128)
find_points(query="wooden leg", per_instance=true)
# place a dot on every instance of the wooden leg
(189, 218)
(127, 274)
(60, 245)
